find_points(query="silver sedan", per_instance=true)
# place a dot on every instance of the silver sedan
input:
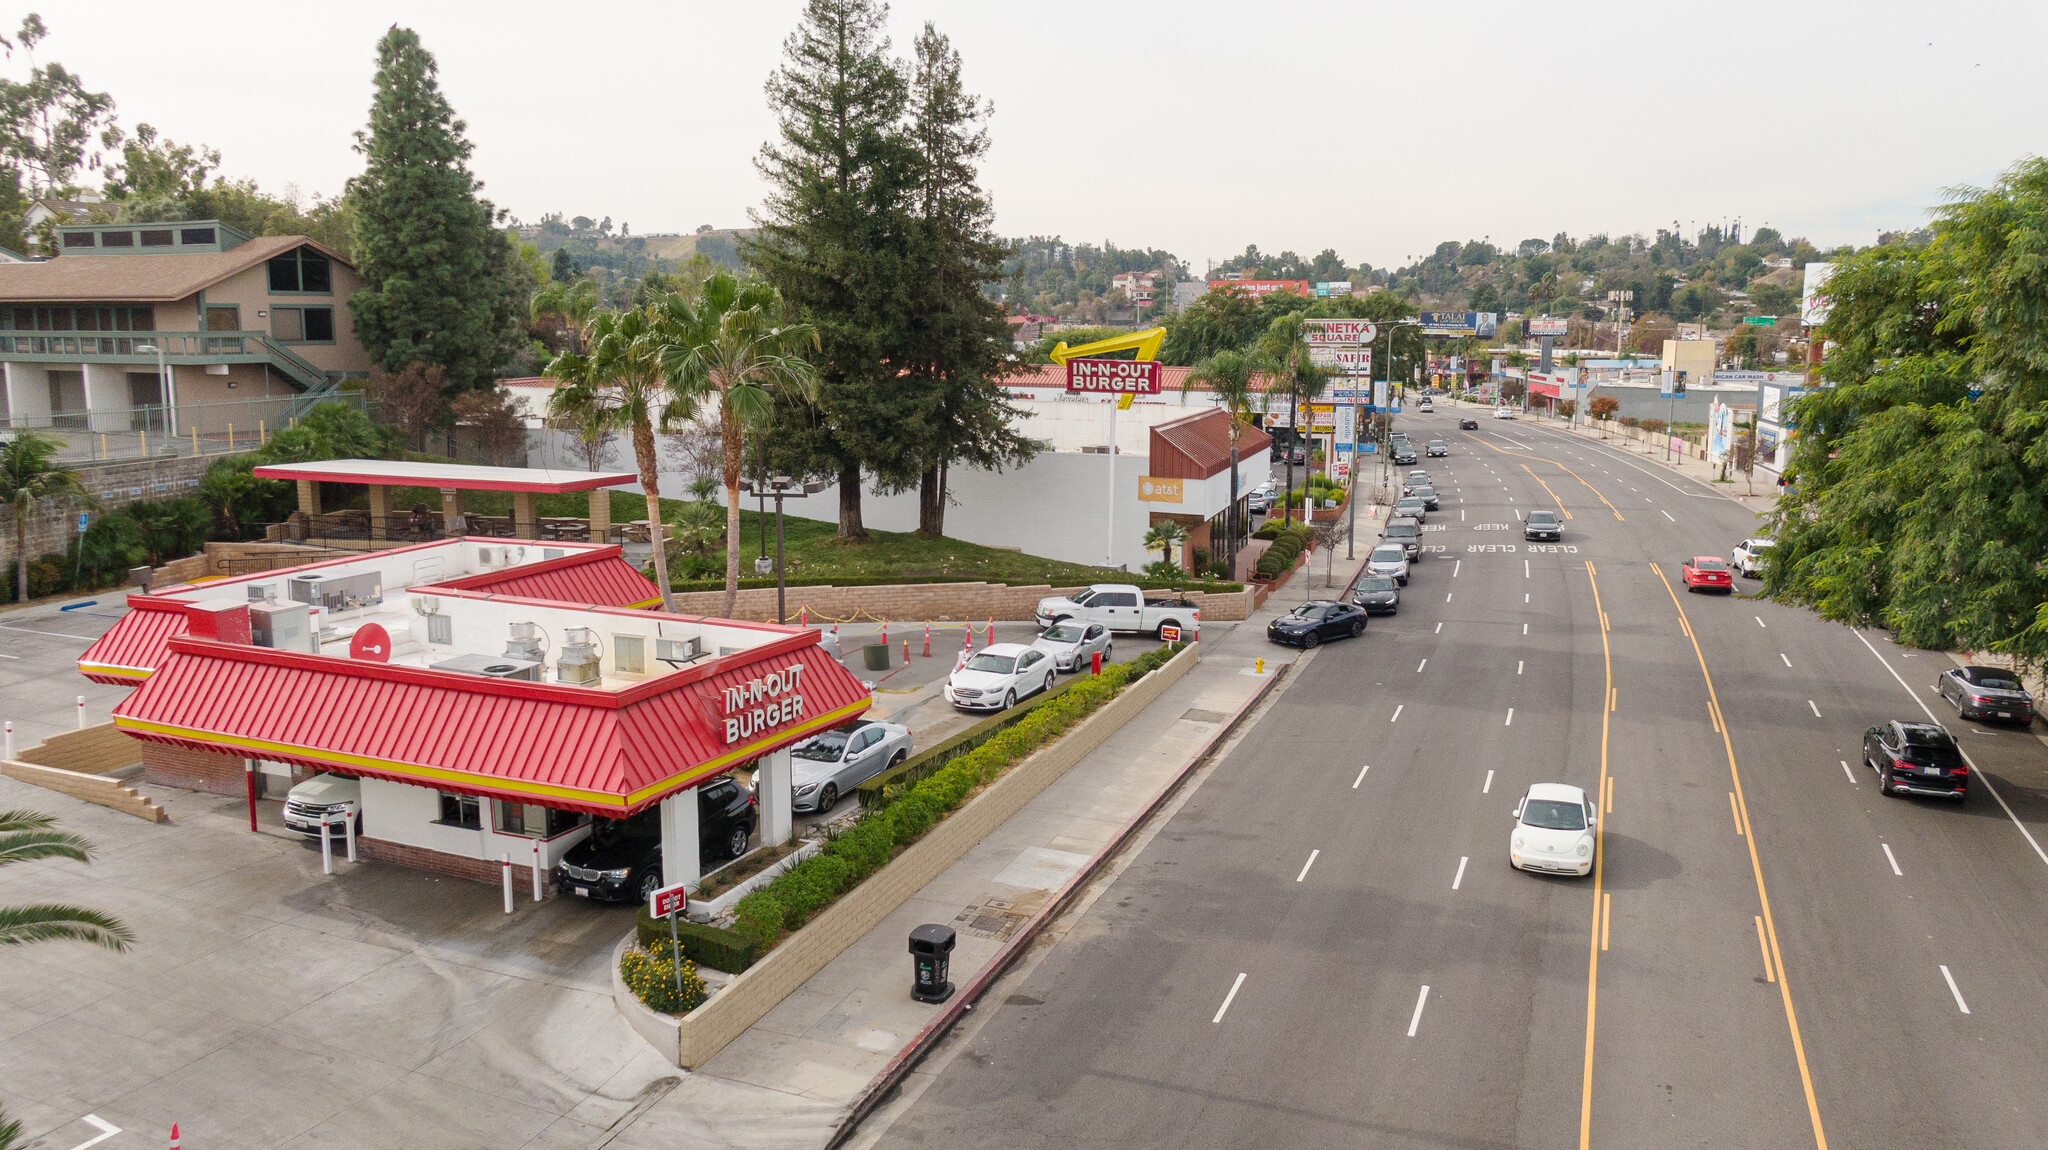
(826, 766)
(1072, 644)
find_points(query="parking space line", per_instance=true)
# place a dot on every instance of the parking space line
(1511, 718)
(1420, 666)
(1460, 876)
(1488, 785)
(48, 634)
(1815, 706)
(1949, 978)
(1361, 776)
(1439, 628)
(1848, 772)
(1447, 596)
(1304, 867)
(1782, 655)
(1228, 997)
(1892, 859)
(1397, 713)
(1760, 622)
(1770, 975)
(1423, 998)
(1518, 666)
(1667, 515)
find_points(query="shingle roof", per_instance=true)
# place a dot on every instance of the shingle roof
(162, 278)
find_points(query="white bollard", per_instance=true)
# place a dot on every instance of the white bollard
(348, 830)
(81, 712)
(505, 869)
(326, 848)
(536, 871)
(10, 742)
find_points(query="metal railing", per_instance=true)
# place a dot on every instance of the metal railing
(178, 347)
(216, 427)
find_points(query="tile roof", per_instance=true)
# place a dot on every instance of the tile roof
(163, 278)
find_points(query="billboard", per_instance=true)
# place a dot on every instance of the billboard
(1342, 360)
(1472, 323)
(1813, 302)
(1338, 331)
(1113, 376)
(1554, 328)
(1261, 287)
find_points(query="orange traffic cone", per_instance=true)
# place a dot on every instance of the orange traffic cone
(991, 630)
(174, 1136)
(927, 638)
(968, 645)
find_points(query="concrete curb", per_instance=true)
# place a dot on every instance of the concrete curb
(662, 1031)
(907, 1059)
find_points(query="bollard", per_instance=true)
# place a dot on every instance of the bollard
(326, 848)
(81, 712)
(991, 629)
(249, 777)
(885, 633)
(10, 742)
(505, 869)
(927, 639)
(906, 651)
(1095, 662)
(1258, 666)
(231, 437)
(968, 643)
(536, 871)
(348, 834)
(803, 615)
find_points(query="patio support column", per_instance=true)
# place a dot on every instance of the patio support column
(309, 496)
(600, 514)
(772, 792)
(679, 850)
(524, 524)
(451, 509)
(380, 511)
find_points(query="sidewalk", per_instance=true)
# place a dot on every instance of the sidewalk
(789, 1079)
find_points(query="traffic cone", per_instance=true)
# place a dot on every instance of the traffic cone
(174, 1136)
(991, 631)
(968, 645)
(885, 633)
(803, 615)
(927, 638)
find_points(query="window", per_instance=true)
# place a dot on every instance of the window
(301, 270)
(302, 324)
(117, 239)
(78, 239)
(533, 819)
(459, 811)
(629, 654)
(440, 629)
(223, 319)
(156, 237)
(196, 235)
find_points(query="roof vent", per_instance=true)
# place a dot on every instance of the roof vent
(527, 643)
(579, 662)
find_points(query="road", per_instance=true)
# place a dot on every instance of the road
(1325, 944)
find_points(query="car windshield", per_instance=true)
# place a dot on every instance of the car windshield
(1709, 565)
(1376, 582)
(1392, 554)
(1062, 633)
(1995, 683)
(826, 748)
(1542, 517)
(1308, 611)
(999, 664)
(1553, 815)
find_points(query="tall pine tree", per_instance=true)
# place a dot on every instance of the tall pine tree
(440, 285)
(835, 236)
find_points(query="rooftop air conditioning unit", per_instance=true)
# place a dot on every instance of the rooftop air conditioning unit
(492, 666)
(580, 661)
(678, 650)
(527, 643)
(262, 592)
(486, 556)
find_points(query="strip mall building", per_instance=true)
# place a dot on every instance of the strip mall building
(490, 694)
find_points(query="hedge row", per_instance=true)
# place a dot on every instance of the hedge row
(858, 851)
(715, 947)
(1180, 583)
(1288, 543)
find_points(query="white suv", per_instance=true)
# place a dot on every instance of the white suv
(1748, 556)
(337, 797)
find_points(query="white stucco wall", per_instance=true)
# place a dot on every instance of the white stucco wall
(407, 814)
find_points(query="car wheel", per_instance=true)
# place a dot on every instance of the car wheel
(898, 760)
(1048, 681)
(1009, 699)
(649, 883)
(1311, 640)
(736, 841)
(1357, 628)
(827, 797)
(1106, 649)
(1403, 580)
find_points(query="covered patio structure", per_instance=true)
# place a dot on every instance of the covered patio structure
(452, 479)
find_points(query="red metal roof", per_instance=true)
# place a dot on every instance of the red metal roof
(605, 752)
(462, 476)
(599, 576)
(134, 645)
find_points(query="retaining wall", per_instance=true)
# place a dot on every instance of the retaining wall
(54, 522)
(921, 602)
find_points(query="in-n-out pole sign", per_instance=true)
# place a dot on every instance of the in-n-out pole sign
(1113, 376)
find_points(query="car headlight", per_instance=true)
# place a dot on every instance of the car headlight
(620, 873)
(807, 788)
(1518, 842)
(1585, 848)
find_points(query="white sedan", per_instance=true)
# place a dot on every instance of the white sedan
(1553, 831)
(999, 675)
(1503, 413)
(1072, 644)
(1748, 557)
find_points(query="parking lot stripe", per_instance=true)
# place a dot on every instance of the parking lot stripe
(1815, 706)
(1420, 666)
(1397, 713)
(1511, 718)
(1488, 786)
(1460, 876)
(1361, 776)
(1228, 997)
(1304, 867)
(1892, 859)
(1423, 998)
(1949, 978)
(1760, 622)
(1847, 771)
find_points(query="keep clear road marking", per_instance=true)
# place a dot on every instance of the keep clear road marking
(1847, 771)
(1488, 785)
(1981, 776)
(1892, 859)
(1304, 867)
(1423, 998)
(1756, 868)
(1228, 997)
(1460, 876)
(1361, 776)
(1946, 976)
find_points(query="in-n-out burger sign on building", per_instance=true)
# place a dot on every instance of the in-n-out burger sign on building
(769, 701)
(1113, 376)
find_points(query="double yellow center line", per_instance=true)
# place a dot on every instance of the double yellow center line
(1599, 863)
(1560, 467)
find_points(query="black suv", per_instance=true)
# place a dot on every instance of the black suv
(1542, 525)
(1404, 452)
(1916, 759)
(1407, 532)
(621, 860)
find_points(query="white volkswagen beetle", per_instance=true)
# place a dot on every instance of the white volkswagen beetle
(1071, 644)
(998, 675)
(1553, 831)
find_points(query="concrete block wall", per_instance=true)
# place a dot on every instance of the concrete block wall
(706, 1030)
(94, 750)
(54, 522)
(920, 602)
(91, 788)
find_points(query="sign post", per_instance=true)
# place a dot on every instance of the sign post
(668, 902)
(1125, 379)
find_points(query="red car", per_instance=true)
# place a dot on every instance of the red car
(1706, 573)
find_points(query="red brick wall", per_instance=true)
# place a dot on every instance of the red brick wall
(455, 866)
(210, 771)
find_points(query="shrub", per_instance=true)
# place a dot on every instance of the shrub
(707, 945)
(1270, 529)
(651, 975)
(758, 917)
(48, 575)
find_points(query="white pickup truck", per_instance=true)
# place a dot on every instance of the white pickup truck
(1122, 607)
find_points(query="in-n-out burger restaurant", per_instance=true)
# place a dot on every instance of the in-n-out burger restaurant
(489, 695)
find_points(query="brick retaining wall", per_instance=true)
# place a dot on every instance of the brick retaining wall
(921, 602)
(54, 522)
(440, 862)
(213, 772)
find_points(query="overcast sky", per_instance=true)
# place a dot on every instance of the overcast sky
(1376, 129)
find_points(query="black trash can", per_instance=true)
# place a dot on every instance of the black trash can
(875, 656)
(931, 960)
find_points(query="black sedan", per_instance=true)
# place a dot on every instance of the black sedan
(1378, 594)
(1986, 693)
(1916, 759)
(1404, 454)
(1311, 623)
(1542, 525)
(1428, 495)
(621, 860)
(1468, 425)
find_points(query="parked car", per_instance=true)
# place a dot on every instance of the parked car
(621, 860)
(1986, 693)
(1072, 645)
(998, 675)
(1553, 831)
(1427, 493)
(1259, 501)
(1404, 453)
(828, 765)
(1379, 594)
(1706, 573)
(1503, 413)
(1468, 425)
(1437, 449)
(1748, 558)
(336, 797)
(1311, 623)
(1406, 532)
(1542, 525)
(1416, 478)
(1916, 759)
(1426, 405)
(1122, 607)
(1390, 560)
(1413, 507)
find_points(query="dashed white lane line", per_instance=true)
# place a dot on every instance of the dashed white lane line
(1487, 787)
(1892, 859)
(1760, 622)
(1304, 867)
(1667, 515)
(1525, 628)
(1511, 718)
(1525, 568)
(1397, 713)
(1228, 997)
(1815, 706)
(1518, 666)
(1455, 565)
(1447, 596)
(1946, 976)
(1460, 876)
(1781, 655)
(1848, 772)
(1439, 628)
(1361, 776)
(1423, 998)
(1525, 597)
(1420, 666)
(1461, 515)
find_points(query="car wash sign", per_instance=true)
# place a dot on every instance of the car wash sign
(1113, 376)
(771, 700)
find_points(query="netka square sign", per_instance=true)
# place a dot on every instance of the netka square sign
(1113, 376)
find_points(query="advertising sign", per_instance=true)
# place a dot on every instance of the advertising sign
(668, 900)
(1153, 489)
(1555, 328)
(1261, 287)
(1113, 376)
(1472, 323)
(1813, 300)
(1338, 331)
(371, 641)
(1720, 429)
(1342, 360)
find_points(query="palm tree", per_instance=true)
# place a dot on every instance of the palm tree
(619, 386)
(1233, 377)
(1164, 536)
(29, 472)
(731, 348)
(573, 302)
(26, 836)
(1284, 352)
